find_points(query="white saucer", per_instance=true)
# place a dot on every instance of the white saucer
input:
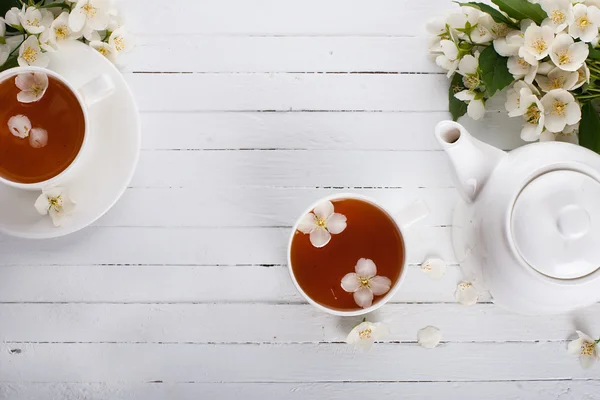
(101, 179)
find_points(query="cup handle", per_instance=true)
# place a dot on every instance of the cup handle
(412, 213)
(97, 89)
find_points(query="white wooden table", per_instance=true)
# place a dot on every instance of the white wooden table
(252, 110)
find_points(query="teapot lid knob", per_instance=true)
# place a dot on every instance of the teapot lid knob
(555, 224)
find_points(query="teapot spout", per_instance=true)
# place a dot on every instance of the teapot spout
(472, 160)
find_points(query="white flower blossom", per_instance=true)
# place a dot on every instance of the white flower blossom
(520, 68)
(586, 348)
(365, 334)
(532, 111)
(496, 29)
(121, 40)
(19, 126)
(365, 283)
(560, 14)
(449, 59)
(476, 105)
(322, 223)
(557, 79)
(38, 138)
(466, 293)
(429, 337)
(105, 49)
(561, 109)
(586, 22)
(59, 30)
(510, 44)
(89, 16)
(35, 20)
(434, 267)
(537, 42)
(467, 67)
(583, 76)
(55, 202)
(13, 17)
(567, 54)
(33, 86)
(30, 53)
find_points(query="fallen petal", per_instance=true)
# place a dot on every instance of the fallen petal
(434, 267)
(429, 337)
(38, 138)
(19, 126)
(42, 205)
(466, 294)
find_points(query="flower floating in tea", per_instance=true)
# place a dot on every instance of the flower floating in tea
(365, 283)
(466, 293)
(33, 86)
(38, 138)
(429, 337)
(322, 223)
(56, 203)
(19, 126)
(366, 333)
(586, 348)
(434, 267)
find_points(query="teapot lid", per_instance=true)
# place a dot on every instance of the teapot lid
(555, 224)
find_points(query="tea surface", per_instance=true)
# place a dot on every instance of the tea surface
(59, 113)
(370, 233)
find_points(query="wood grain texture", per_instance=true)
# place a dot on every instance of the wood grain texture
(521, 390)
(310, 362)
(272, 323)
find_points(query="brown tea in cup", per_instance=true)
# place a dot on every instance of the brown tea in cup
(28, 159)
(362, 251)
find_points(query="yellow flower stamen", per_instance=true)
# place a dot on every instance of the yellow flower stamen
(55, 203)
(533, 114)
(539, 45)
(558, 108)
(34, 22)
(464, 285)
(30, 55)
(365, 282)
(321, 222)
(365, 333)
(36, 89)
(557, 82)
(62, 32)
(583, 22)
(588, 348)
(558, 17)
(563, 57)
(89, 10)
(119, 44)
(523, 63)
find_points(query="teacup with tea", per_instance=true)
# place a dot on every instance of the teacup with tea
(347, 254)
(44, 125)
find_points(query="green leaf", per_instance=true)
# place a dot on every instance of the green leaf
(494, 72)
(10, 63)
(522, 9)
(495, 14)
(594, 53)
(589, 128)
(457, 107)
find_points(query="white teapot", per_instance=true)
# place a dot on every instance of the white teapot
(528, 228)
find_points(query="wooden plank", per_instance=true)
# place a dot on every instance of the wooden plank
(191, 246)
(195, 53)
(288, 92)
(252, 206)
(211, 170)
(270, 323)
(316, 130)
(276, 17)
(539, 390)
(108, 362)
(187, 284)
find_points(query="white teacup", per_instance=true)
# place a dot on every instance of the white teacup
(87, 95)
(401, 220)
